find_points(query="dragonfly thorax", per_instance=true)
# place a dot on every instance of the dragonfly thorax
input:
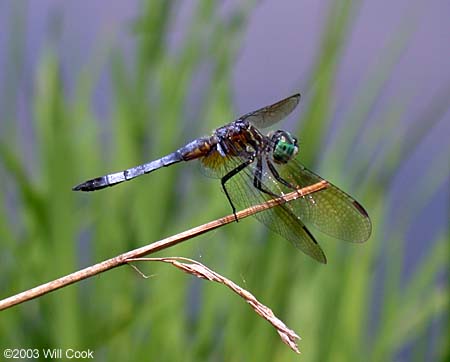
(284, 146)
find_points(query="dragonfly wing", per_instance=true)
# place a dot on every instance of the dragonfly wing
(283, 221)
(280, 219)
(272, 114)
(331, 210)
(216, 166)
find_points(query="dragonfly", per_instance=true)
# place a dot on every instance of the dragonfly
(253, 168)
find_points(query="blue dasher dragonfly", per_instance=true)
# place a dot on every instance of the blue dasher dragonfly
(253, 168)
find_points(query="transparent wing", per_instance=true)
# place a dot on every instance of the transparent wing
(281, 219)
(331, 210)
(272, 114)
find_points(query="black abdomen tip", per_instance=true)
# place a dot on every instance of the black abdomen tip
(91, 185)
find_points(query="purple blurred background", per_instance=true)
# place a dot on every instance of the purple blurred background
(280, 41)
(279, 44)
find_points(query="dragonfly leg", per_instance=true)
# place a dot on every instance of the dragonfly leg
(257, 179)
(229, 175)
(278, 177)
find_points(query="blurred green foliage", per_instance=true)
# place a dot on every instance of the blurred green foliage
(48, 231)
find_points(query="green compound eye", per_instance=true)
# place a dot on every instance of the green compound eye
(285, 147)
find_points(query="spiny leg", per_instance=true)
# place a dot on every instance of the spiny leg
(229, 175)
(278, 177)
(257, 179)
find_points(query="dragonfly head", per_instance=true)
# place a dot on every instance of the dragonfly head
(284, 146)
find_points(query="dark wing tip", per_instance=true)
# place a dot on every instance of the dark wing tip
(318, 254)
(360, 208)
(366, 221)
(295, 96)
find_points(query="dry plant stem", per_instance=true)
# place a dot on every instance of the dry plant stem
(288, 336)
(154, 247)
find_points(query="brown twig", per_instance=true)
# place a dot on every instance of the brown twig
(288, 336)
(151, 248)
